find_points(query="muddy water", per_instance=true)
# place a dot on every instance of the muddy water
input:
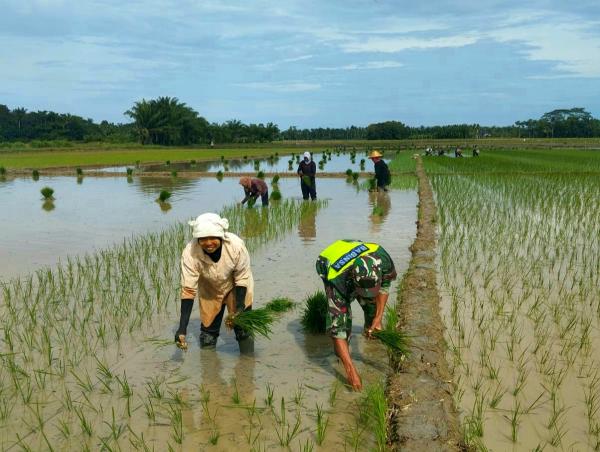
(291, 362)
(338, 163)
(301, 369)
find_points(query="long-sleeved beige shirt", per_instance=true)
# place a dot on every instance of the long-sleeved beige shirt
(213, 282)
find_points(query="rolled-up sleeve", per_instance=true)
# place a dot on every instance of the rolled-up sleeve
(189, 275)
(242, 274)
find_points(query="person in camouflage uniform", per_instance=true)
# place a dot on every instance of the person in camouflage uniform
(354, 270)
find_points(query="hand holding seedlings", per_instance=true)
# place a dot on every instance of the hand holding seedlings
(354, 270)
(211, 251)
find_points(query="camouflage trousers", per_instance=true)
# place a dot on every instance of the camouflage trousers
(339, 313)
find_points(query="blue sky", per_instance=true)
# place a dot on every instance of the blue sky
(306, 63)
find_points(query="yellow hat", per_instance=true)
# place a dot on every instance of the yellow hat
(375, 153)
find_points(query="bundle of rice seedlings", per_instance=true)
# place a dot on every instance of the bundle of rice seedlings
(47, 192)
(173, 173)
(315, 313)
(280, 304)
(2, 171)
(349, 172)
(275, 195)
(260, 175)
(395, 341)
(251, 202)
(372, 184)
(79, 171)
(35, 174)
(164, 195)
(129, 171)
(219, 175)
(253, 322)
(275, 179)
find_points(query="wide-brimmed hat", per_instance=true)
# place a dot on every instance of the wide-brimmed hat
(375, 154)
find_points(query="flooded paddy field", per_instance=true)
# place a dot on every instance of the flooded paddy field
(519, 276)
(333, 161)
(88, 358)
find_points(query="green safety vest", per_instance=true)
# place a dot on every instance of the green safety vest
(342, 254)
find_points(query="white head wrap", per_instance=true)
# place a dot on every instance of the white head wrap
(307, 155)
(209, 225)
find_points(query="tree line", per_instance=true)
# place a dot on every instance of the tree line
(168, 122)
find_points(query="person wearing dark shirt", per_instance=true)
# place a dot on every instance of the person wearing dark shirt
(253, 188)
(382, 172)
(307, 170)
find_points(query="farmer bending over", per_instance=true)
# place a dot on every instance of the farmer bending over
(215, 265)
(354, 270)
(253, 187)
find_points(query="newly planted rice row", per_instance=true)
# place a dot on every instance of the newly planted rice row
(65, 330)
(519, 259)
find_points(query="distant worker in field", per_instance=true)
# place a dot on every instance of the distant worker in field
(253, 188)
(382, 172)
(475, 151)
(354, 270)
(307, 170)
(215, 267)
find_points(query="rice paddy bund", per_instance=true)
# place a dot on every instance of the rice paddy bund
(519, 276)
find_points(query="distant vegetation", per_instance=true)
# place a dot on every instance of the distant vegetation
(166, 121)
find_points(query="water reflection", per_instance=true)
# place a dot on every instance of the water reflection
(48, 205)
(149, 185)
(164, 206)
(307, 228)
(380, 209)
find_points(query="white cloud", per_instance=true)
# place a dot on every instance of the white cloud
(573, 46)
(394, 45)
(281, 87)
(359, 66)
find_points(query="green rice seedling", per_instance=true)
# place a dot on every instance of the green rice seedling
(164, 195)
(314, 316)
(35, 175)
(275, 195)
(64, 428)
(214, 436)
(235, 397)
(333, 393)
(47, 193)
(280, 304)
(176, 419)
(168, 162)
(173, 173)
(287, 432)
(2, 171)
(219, 175)
(129, 171)
(79, 172)
(84, 423)
(251, 202)
(254, 321)
(374, 405)
(299, 394)
(192, 162)
(149, 410)
(349, 172)
(307, 446)
(269, 398)
(275, 180)
(355, 177)
(260, 175)
(322, 423)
